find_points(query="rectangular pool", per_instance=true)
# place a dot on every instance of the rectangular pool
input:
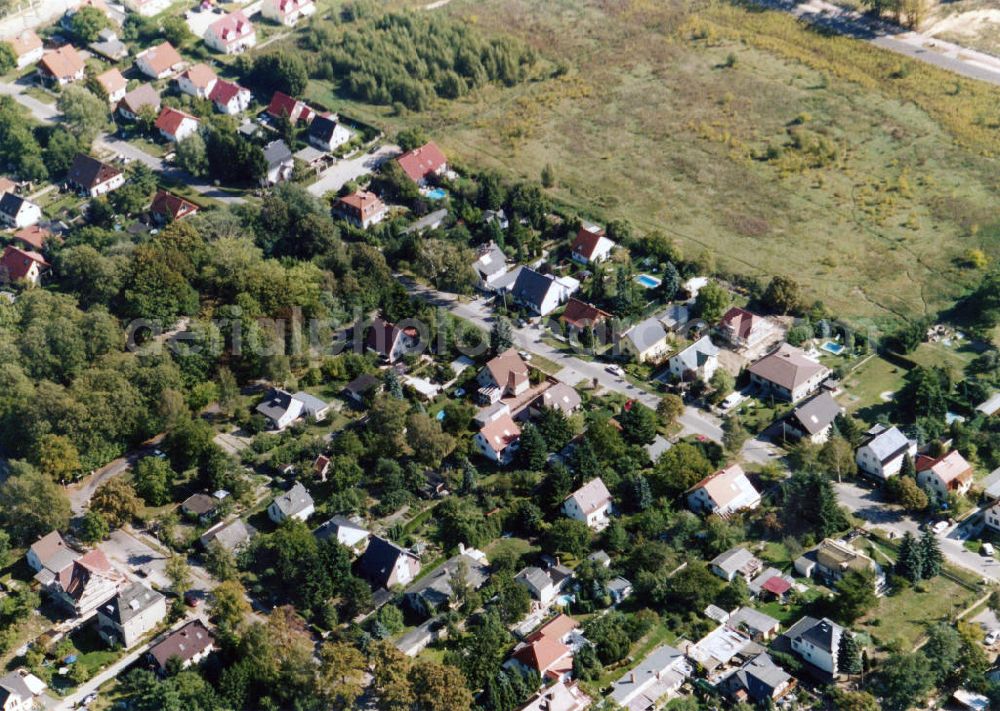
(437, 194)
(650, 282)
(833, 347)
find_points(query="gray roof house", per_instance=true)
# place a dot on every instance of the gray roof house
(696, 362)
(347, 532)
(754, 623)
(18, 690)
(490, 265)
(312, 406)
(434, 593)
(645, 341)
(736, 561)
(659, 674)
(759, 679)
(813, 419)
(279, 408)
(130, 614)
(428, 222)
(230, 536)
(294, 503)
(280, 162)
(817, 642)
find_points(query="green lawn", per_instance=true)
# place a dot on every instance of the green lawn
(955, 357)
(903, 618)
(864, 387)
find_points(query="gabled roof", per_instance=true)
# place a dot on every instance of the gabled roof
(276, 153)
(561, 397)
(500, 433)
(660, 666)
(332, 527)
(824, 634)
(284, 7)
(362, 384)
(74, 578)
(132, 601)
(697, 354)
(733, 560)
(382, 336)
(161, 58)
(816, 414)
(422, 161)
(172, 206)
(491, 260)
(532, 287)
(591, 496)
(759, 677)
(63, 62)
(229, 535)
(360, 201)
(589, 241)
(322, 128)
(294, 501)
(646, 334)
(886, 443)
(581, 314)
(142, 95)
(284, 105)
(379, 559)
(224, 91)
(170, 120)
(728, 488)
(275, 404)
(11, 204)
(535, 577)
(200, 75)
(507, 368)
(186, 643)
(16, 263)
(742, 322)
(754, 620)
(947, 468)
(231, 28)
(788, 367)
(199, 504)
(48, 546)
(24, 42)
(542, 654)
(112, 81)
(13, 684)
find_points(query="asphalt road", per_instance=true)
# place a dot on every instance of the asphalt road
(331, 179)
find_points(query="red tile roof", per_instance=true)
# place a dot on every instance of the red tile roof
(170, 120)
(292, 109)
(586, 242)
(224, 91)
(62, 63)
(34, 237)
(581, 314)
(173, 206)
(201, 75)
(233, 27)
(161, 58)
(740, 320)
(16, 263)
(777, 585)
(421, 162)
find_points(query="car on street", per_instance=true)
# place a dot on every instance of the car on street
(992, 638)
(525, 356)
(939, 527)
(88, 700)
(987, 549)
(616, 370)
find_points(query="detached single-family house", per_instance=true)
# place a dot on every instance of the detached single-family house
(944, 475)
(883, 450)
(505, 375)
(723, 493)
(167, 207)
(698, 361)
(539, 584)
(17, 265)
(736, 562)
(590, 245)
(562, 696)
(580, 315)
(160, 61)
(813, 419)
(201, 507)
(816, 642)
(646, 341)
(832, 559)
(328, 133)
(490, 265)
(190, 644)
(34, 238)
(656, 678)
(86, 584)
(17, 212)
(130, 614)
(560, 397)
(287, 12)
(294, 503)
(386, 565)
(176, 125)
(590, 504)
(788, 373)
(93, 178)
(423, 163)
(230, 98)
(542, 293)
(61, 66)
(992, 517)
(231, 34)
(499, 439)
(358, 389)
(743, 329)
(362, 208)
(280, 408)
(280, 162)
(284, 106)
(19, 690)
(27, 48)
(434, 594)
(229, 536)
(109, 46)
(390, 342)
(759, 681)
(142, 96)
(51, 553)
(348, 532)
(754, 624)
(548, 652)
(197, 81)
(113, 84)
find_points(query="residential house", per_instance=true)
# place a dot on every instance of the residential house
(284, 106)
(736, 562)
(423, 163)
(61, 66)
(51, 553)
(539, 584)
(646, 341)
(386, 565)
(34, 238)
(788, 373)
(757, 584)
(86, 584)
(201, 507)
(160, 61)
(944, 475)
(580, 315)
(817, 642)
(775, 588)
(229, 536)
(358, 389)
(295, 503)
(390, 342)
(590, 504)
(674, 317)
(591, 245)
(832, 559)
(540, 292)
(813, 419)
(759, 681)
(560, 397)
(327, 133)
(108, 46)
(883, 450)
(431, 221)
(167, 207)
(130, 614)
(490, 265)
(561, 696)
(19, 265)
(230, 98)
(499, 439)
(231, 34)
(718, 648)
(190, 645)
(280, 163)
(619, 589)
(505, 375)
(144, 95)
(991, 517)
(654, 679)
(197, 81)
(743, 329)
(549, 651)
(754, 624)
(175, 125)
(18, 212)
(347, 531)
(723, 493)
(362, 208)
(433, 593)
(698, 361)
(280, 408)
(20, 690)
(287, 12)
(27, 48)
(7, 185)
(113, 84)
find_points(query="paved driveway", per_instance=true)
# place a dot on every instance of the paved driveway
(128, 553)
(334, 177)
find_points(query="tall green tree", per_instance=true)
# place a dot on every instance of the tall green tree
(501, 335)
(849, 654)
(930, 552)
(638, 423)
(910, 559)
(711, 302)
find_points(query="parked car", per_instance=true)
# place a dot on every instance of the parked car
(525, 356)
(192, 599)
(939, 527)
(992, 638)
(616, 370)
(987, 549)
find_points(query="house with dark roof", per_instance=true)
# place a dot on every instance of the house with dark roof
(280, 162)
(591, 245)
(883, 450)
(346, 531)
(20, 265)
(539, 584)
(18, 212)
(362, 208)
(201, 507)
(190, 645)
(390, 342)
(813, 419)
(130, 614)
(167, 207)
(358, 389)
(279, 408)
(590, 504)
(92, 177)
(294, 503)
(698, 361)
(659, 675)
(646, 341)
(581, 315)
(423, 163)
(144, 95)
(490, 265)
(788, 373)
(328, 133)
(758, 681)
(542, 293)
(433, 592)
(386, 565)
(817, 642)
(229, 97)
(108, 45)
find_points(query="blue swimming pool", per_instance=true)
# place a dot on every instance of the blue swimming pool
(650, 282)
(437, 194)
(564, 600)
(833, 347)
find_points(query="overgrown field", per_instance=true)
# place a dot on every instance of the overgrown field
(866, 176)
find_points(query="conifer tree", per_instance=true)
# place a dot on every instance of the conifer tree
(849, 654)
(910, 562)
(931, 554)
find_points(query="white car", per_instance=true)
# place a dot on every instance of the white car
(525, 356)
(939, 527)
(992, 638)
(616, 370)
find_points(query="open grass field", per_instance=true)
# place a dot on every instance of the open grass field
(864, 175)
(903, 618)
